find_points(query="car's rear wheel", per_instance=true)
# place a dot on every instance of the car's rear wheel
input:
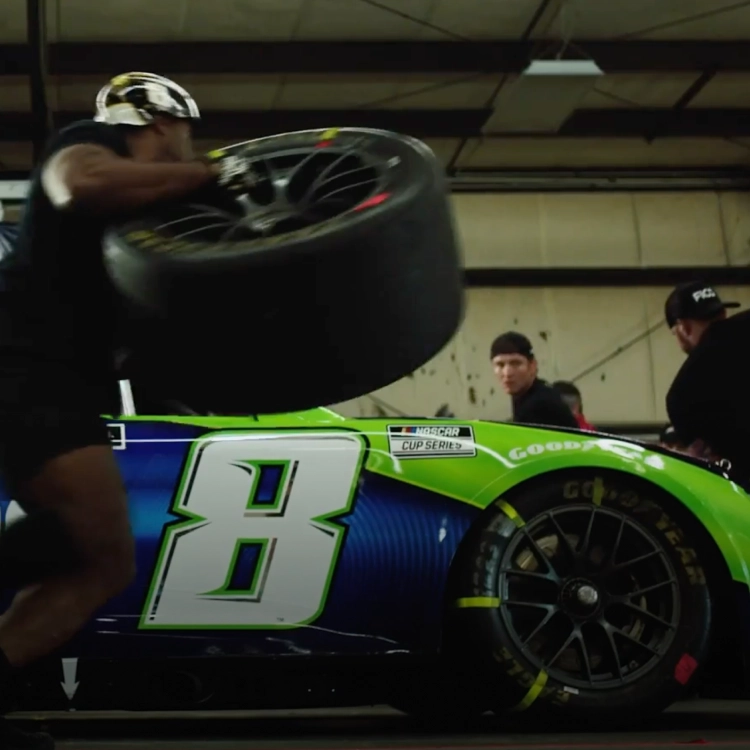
(336, 273)
(587, 593)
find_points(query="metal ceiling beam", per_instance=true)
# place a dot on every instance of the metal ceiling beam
(13, 189)
(599, 180)
(36, 34)
(634, 123)
(244, 125)
(500, 56)
(430, 123)
(605, 277)
(684, 101)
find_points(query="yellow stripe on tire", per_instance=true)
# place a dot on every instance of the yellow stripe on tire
(511, 512)
(487, 602)
(534, 692)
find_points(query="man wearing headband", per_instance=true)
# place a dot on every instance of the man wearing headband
(534, 402)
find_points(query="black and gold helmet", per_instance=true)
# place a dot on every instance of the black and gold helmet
(136, 98)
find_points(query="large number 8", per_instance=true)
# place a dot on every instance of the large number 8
(257, 549)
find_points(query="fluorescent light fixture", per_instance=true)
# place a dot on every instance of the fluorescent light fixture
(543, 97)
(14, 190)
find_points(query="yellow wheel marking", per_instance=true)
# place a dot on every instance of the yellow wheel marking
(487, 602)
(532, 695)
(598, 491)
(510, 511)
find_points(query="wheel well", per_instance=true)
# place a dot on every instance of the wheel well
(721, 678)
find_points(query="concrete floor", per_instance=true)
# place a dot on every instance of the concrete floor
(709, 724)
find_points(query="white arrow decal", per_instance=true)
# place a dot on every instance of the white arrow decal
(70, 672)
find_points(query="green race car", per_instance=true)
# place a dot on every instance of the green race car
(447, 567)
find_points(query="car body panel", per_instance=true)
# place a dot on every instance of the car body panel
(347, 527)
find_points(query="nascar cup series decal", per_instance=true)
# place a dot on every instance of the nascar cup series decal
(431, 441)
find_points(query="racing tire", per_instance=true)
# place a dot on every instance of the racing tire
(337, 273)
(586, 592)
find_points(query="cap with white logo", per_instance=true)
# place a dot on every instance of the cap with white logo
(695, 300)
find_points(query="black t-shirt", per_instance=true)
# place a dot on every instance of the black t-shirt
(543, 405)
(709, 398)
(56, 301)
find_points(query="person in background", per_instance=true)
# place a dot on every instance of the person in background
(673, 441)
(534, 401)
(572, 397)
(709, 401)
(669, 438)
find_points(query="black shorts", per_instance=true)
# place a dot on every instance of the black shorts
(45, 412)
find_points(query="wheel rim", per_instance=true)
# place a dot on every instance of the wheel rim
(589, 596)
(289, 190)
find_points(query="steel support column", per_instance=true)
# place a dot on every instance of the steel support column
(36, 33)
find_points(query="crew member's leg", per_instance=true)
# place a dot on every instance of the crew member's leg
(85, 489)
(34, 548)
(61, 468)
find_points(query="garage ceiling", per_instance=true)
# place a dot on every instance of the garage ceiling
(676, 72)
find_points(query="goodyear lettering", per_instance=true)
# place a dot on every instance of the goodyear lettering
(571, 490)
(148, 240)
(503, 655)
(688, 558)
(586, 490)
(578, 490)
(561, 697)
(299, 234)
(626, 450)
(138, 234)
(144, 238)
(536, 449)
(629, 499)
(178, 246)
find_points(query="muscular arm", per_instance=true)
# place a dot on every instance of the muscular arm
(93, 177)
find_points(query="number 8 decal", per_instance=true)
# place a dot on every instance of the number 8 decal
(257, 548)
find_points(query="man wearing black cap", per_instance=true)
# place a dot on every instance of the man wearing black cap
(709, 401)
(534, 402)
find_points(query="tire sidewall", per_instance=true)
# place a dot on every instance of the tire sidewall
(415, 179)
(646, 506)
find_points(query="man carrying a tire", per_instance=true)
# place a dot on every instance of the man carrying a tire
(534, 401)
(708, 402)
(74, 550)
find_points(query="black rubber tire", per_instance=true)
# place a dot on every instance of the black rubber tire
(518, 674)
(300, 319)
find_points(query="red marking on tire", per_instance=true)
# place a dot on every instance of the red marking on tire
(685, 668)
(376, 200)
